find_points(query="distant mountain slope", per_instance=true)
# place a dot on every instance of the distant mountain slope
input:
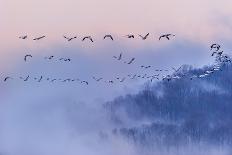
(177, 112)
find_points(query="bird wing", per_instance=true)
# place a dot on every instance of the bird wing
(84, 38)
(91, 39)
(147, 35)
(25, 58)
(141, 36)
(6, 79)
(161, 37)
(131, 60)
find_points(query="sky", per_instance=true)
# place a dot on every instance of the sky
(196, 23)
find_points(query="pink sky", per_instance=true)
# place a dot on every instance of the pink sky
(197, 19)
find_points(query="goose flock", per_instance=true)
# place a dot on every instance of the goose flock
(159, 74)
(107, 36)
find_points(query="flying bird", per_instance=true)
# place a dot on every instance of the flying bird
(146, 67)
(167, 36)
(26, 56)
(119, 57)
(97, 79)
(215, 46)
(50, 57)
(130, 36)
(40, 79)
(88, 37)
(69, 39)
(26, 79)
(122, 80)
(23, 37)
(7, 78)
(85, 82)
(218, 53)
(131, 61)
(53, 80)
(39, 38)
(176, 70)
(144, 37)
(108, 36)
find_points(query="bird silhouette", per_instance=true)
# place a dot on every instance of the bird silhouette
(53, 80)
(131, 61)
(26, 79)
(130, 36)
(144, 37)
(23, 37)
(50, 57)
(215, 46)
(40, 79)
(118, 57)
(7, 78)
(176, 70)
(88, 37)
(167, 36)
(68, 38)
(97, 79)
(39, 38)
(146, 67)
(85, 82)
(26, 56)
(66, 80)
(122, 80)
(108, 36)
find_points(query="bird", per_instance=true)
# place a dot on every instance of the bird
(108, 36)
(88, 37)
(144, 76)
(85, 82)
(133, 77)
(40, 79)
(213, 53)
(97, 79)
(67, 59)
(119, 57)
(66, 80)
(218, 53)
(53, 80)
(130, 36)
(26, 79)
(50, 57)
(122, 80)
(167, 36)
(39, 38)
(6, 78)
(23, 37)
(130, 62)
(154, 78)
(144, 37)
(26, 56)
(176, 70)
(168, 78)
(146, 67)
(69, 39)
(217, 46)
